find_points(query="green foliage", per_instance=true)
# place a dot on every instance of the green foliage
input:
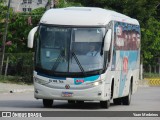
(151, 41)
(19, 29)
(12, 79)
(20, 65)
(63, 3)
(147, 12)
(151, 75)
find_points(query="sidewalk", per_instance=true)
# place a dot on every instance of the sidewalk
(14, 88)
(143, 83)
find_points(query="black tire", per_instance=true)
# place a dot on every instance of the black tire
(127, 99)
(105, 104)
(71, 101)
(79, 101)
(117, 101)
(47, 103)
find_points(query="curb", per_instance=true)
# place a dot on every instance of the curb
(153, 81)
(15, 88)
(20, 90)
(16, 91)
(143, 83)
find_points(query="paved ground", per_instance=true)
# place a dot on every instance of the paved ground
(146, 99)
(12, 88)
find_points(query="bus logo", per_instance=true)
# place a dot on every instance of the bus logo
(80, 81)
(67, 86)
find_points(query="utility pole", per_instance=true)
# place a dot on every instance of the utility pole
(47, 6)
(4, 37)
(52, 4)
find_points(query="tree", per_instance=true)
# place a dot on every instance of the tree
(21, 23)
(64, 3)
(147, 12)
(3, 21)
(2, 29)
(19, 27)
(151, 41)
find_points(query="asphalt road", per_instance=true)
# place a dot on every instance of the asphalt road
(145, 99)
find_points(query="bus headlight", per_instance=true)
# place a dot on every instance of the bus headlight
(97, 83)
(40, 81)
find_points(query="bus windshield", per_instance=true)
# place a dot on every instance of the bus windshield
(69, 50)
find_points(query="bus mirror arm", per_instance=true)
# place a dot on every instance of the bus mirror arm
(107, 40)
(101, 53)
(31, 37)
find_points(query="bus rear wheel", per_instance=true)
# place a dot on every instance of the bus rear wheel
(127, 99)
(71, 101)
(117, 101)
(105, 104)
(47, 103)
(79, 101)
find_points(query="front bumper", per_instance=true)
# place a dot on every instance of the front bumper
(93, 93)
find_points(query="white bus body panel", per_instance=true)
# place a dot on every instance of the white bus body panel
(87, 16)
(83, 16)
(52, 90)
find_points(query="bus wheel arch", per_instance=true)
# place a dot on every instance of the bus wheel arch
(112, 88)
(131, 84)
(127, 99)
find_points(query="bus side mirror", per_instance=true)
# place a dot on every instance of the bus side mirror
(31, 37)
(107, 40)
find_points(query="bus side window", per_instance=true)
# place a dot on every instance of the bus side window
(113, 60)
(109, 56)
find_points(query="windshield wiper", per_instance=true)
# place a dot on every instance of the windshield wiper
(60, 56)
(79, 64)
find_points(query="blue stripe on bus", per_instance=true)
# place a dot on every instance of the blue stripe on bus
(86, 79)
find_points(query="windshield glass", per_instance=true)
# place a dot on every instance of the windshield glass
(86, 45)
(62, 49)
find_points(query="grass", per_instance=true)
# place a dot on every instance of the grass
(12, 79)
(151, 75)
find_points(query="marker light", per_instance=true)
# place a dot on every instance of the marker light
(40, 81)
(97, 83)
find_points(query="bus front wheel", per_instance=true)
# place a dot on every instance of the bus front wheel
(117, 101)
(47, 103)
(105, 104)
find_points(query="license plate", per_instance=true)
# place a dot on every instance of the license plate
(67, 94)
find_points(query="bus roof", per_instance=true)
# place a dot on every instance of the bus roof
(84, 16)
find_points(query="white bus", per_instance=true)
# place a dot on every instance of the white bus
(85, 54)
